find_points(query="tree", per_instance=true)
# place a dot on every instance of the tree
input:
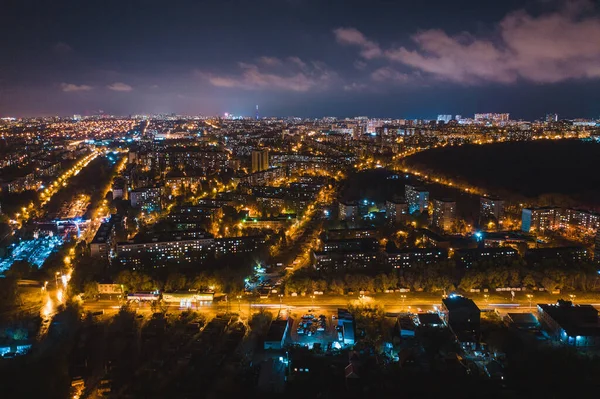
(90, 290)
(20, 269)
(528, 281)
(337, 287)
(175, 281)
(471, 280)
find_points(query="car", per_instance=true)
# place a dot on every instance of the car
(9, 355)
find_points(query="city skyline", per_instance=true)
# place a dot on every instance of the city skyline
(303, 58)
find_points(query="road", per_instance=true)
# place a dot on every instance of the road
(392, 303)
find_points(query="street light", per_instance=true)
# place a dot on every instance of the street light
(530, 297)
(239, 298)
(280, 300)
(486, 296)
(572, 296)
(403, 298)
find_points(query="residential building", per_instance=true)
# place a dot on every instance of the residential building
(343, 260)
(467, 257)
(103, 241)
(566, 254)
(260, 160)
(444, 214)
(491, 207)
(538, 219)
(351, 245)
(597, 247)
(160, 250)
(348, 211)
(411, 257)
(396, 211)
(147, 198)
(444, 118)
(417, 198)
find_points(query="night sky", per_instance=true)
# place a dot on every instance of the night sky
(310, 58)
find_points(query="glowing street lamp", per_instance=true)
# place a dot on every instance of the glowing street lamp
(530, 297)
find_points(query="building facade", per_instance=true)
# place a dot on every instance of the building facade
(444, 214)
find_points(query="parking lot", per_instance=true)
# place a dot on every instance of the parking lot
(313, 326)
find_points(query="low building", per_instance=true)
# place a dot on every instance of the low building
(405, 326)
(523, 321)
(273, 223)
(462, 316)
(507, 238)
(276, 335)
(110, 289)
(430, 320)
(573, 325)
(346, 327)
(432, 239)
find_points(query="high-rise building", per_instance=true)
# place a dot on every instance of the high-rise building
(492, 117)
(348, 211)
(597, 247)
(417, 198)
(444, 118)
(551, 118)
(373, 124)
(491, 206)
(260, 160)
(538, 219)
(396, 211)
(444, 214)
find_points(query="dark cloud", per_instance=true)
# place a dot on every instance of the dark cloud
(548, 48)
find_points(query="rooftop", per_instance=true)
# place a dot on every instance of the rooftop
(456, 302)
(574, 319)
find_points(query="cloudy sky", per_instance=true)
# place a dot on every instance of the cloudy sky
(413, 59)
